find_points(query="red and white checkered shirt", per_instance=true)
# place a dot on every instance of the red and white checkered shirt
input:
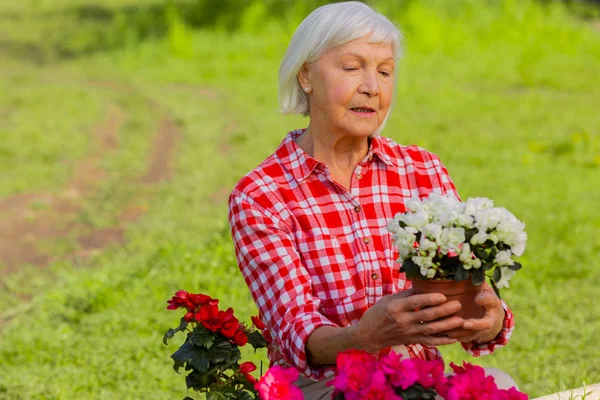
(314, 254)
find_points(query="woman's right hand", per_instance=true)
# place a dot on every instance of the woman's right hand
(406, 318)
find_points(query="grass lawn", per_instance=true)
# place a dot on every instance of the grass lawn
(121, 143)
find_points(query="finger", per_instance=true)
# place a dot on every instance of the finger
(442, 326)
(433, 340)
(462, 335)
(436, 312)
(480, 324)
(419, 301)
(487, 299)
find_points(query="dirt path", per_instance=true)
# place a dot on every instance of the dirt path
(29, 218)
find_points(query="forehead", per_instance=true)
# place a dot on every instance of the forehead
(361, 48)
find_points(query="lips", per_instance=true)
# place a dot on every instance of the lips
(365, 109)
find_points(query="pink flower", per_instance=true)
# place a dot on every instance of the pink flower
(355, 368)
(430, 373)
(470, 383)
(379, 389)
(401, 373)
(510, 394)
(278, 384)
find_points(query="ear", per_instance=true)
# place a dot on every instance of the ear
(304, 76)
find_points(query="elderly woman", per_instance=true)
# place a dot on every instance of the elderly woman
(309, 223)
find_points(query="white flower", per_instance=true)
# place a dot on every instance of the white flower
(465, 253)
(503, 258)
(403, 241)
(415, 220)
(414, 204)
(475, 204)
(507, 273)
(432, 231)
(430, 273)
(519, 245)
(456, 236)
(465, 220)
(448, 217)
(472, 263)
(479, 238)
(427, 245)
(424, 263)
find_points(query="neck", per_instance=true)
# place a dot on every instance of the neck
(341, 154)
(338, 152)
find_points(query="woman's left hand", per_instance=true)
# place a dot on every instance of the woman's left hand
(486, 328)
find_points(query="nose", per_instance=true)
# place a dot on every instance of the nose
(369, 84)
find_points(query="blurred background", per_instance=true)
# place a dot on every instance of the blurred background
(124, 125)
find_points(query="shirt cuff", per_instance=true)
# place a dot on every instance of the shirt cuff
(482, 349)
(294, 349)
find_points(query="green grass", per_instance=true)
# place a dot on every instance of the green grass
(505, 94)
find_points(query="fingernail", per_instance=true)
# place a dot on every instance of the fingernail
(468, 325)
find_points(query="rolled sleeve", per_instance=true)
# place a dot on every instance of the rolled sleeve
(280, 285)
(482, 349)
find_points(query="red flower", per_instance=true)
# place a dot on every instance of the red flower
(209, 316)
(200, 299)
(240, 338)
(229, 323)
(188, 316)
(278, 384)
(246, 368)
(179, 300)
(258, 323)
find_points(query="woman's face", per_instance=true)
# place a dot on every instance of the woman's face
(351, 87)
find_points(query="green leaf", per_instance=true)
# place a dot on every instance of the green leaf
(411, 269)
(220, 351)
(171, 332)
(185, 353)
(257, 340)
(487, 266)
(202, 337)
(496, 290)
(461, 274)
(481, 253)
(469, 233)
(497, 274)
(241, 395)
(515, 267)
(197, 380)
(222, 393)
(478, 277)
(187, 398)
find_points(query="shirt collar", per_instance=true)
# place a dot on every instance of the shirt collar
(301, 165)
(294, 159)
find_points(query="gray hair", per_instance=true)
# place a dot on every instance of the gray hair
(326, 27)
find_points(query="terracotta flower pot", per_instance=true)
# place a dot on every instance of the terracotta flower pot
(463, 291)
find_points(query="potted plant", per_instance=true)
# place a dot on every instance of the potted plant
(211, 351)
(450, 247)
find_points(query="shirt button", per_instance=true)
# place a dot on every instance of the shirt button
(374, 276)
(357, 209)
(366, 240)
(358, 176)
